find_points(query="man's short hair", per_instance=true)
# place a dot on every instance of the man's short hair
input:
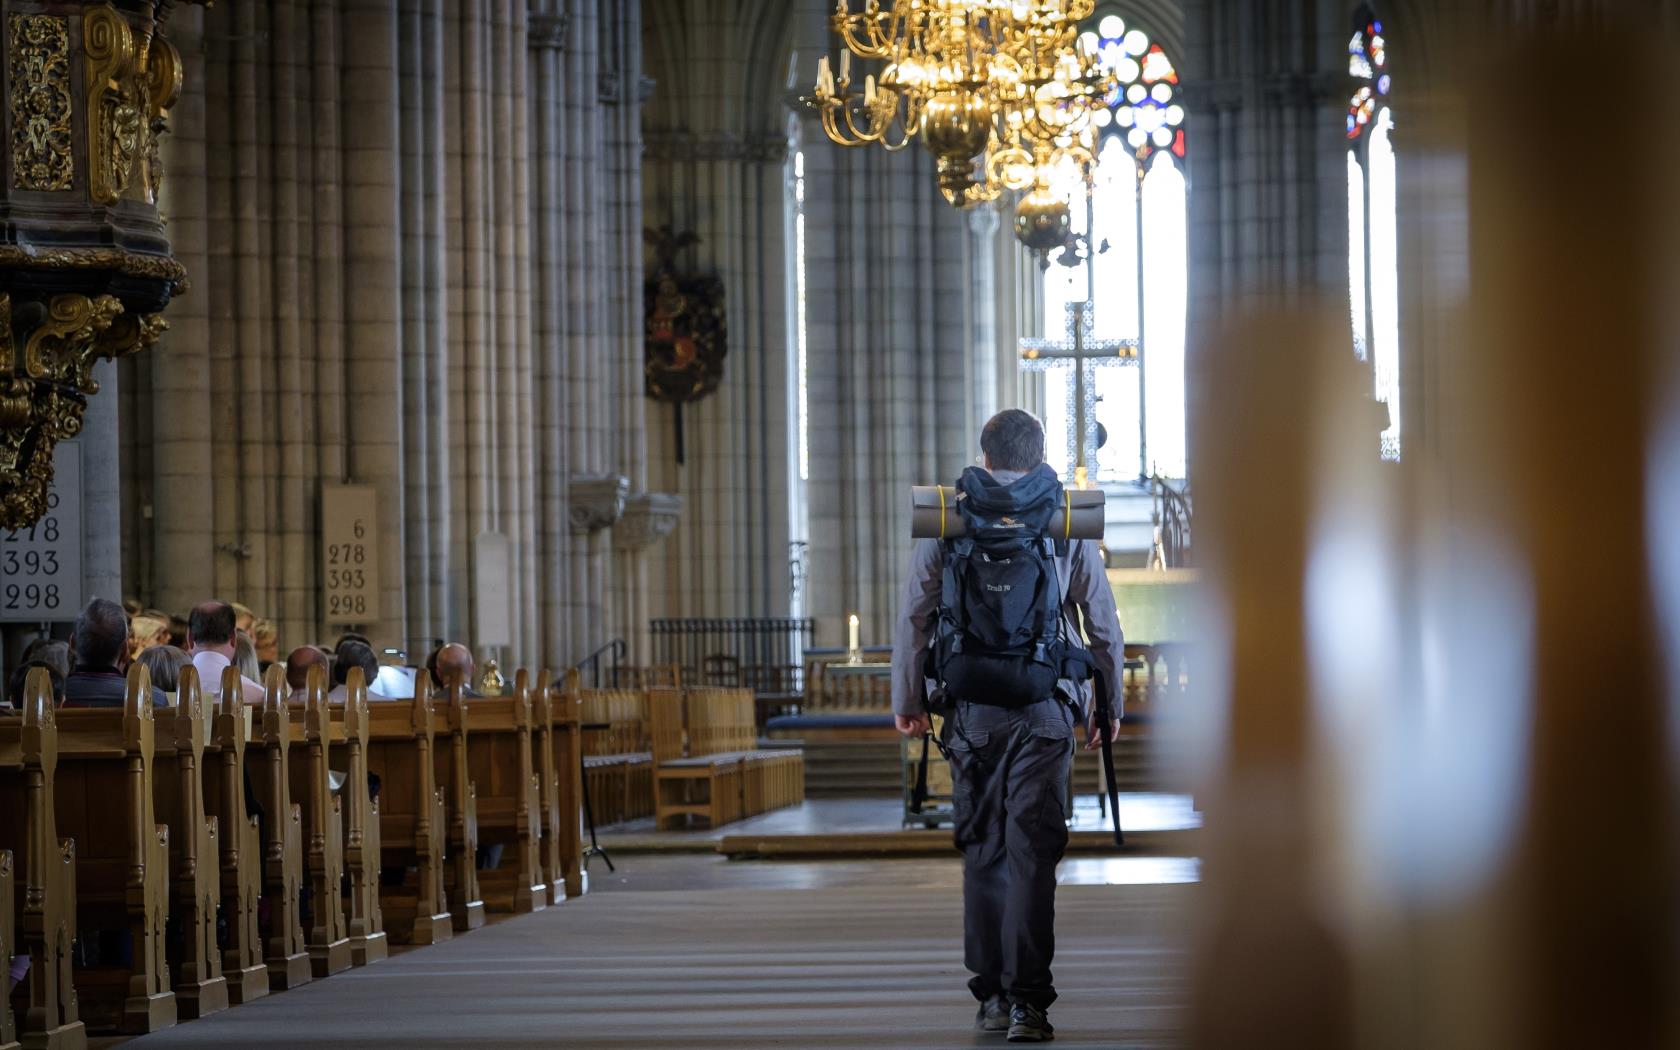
(101, 634)
(1013, 440)
(211, 623)
(353, 653)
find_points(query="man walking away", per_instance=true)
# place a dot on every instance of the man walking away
(1008, 719)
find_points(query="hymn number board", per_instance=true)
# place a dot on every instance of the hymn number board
(41, 566)
(349, 554)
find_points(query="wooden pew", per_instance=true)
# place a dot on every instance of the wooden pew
(707, 760)
(285, 952)
(8, 946)
(327, 936)
(413, 822)
(501, 765)
(45, 919)
(200, 988)
(241, 860)
(466, 905)
(105, 790)
(364, 922)
(559, 768)
(617, 760)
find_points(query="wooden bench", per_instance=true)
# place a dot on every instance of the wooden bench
(240, 865)
(560, 769)
(43, 915)
(413, 820)
(327, 936)
(502, 765)
(707, 760)
(104, 797)
(286, 954)
(364, 921)
(617, 758)
(195, 875)
(466, 904)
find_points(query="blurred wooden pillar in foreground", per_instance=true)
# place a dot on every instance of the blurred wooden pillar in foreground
(1573, 270)
(1282, 398)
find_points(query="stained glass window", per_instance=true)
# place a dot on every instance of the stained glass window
(1138, 259)
(1373, 236)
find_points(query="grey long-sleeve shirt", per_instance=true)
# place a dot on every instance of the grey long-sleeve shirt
(1084, 587)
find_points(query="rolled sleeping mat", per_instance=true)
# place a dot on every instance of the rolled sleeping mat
(934, 514)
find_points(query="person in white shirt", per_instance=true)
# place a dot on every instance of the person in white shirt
(210, 631)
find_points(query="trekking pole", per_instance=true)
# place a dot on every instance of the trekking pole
(1105, 728)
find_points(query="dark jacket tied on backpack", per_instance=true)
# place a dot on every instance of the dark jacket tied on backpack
(998, 603)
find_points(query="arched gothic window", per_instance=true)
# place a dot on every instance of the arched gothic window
(1137, 280)
(1373, 241)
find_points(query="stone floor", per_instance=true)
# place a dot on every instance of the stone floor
(696, 951)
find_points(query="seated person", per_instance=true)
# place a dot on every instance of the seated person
(164, 663)
(245, 656)
(210, 641)
(352, 653)
(145, 630)
(298, 663)
(100, 645)
(449, 662)
(20, 677)
(52, 652)
(266, 637)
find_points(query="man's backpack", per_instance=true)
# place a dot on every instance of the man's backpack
(999, 636)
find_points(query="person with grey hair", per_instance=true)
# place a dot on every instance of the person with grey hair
(99, 645)
(51, 652)
(164, 663)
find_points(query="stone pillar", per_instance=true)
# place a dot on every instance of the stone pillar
(102, 575)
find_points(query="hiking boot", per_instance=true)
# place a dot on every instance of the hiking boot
(993, 1015)
(1028, 1024)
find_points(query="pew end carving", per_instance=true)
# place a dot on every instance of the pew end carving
(200, 987)
(241, 844)
(285, 951)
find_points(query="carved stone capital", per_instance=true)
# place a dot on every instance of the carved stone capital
(546, 32)
(648, 518)
(597, 500)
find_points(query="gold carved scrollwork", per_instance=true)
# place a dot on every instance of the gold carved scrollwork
(44, 391)
(38, 68)
(116, 121)
(163, 87)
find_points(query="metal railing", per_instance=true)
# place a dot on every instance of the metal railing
(1172, 513)
(765, 655)
(594, 669)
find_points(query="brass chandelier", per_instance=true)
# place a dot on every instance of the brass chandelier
(1001, 92)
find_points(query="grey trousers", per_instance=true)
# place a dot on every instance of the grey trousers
(1010, 771)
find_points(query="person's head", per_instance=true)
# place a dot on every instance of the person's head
(210, 628)
(178, 632)
(100, 640)
(243, 618)
(298, 663)
(1012, 440)
(353, 653)
(164, 663)
(245, 656)
(20, 677)
(51, 653)
(450, 662)
(266, 637)
(146, 630)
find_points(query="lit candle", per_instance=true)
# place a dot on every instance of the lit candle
(854, 633)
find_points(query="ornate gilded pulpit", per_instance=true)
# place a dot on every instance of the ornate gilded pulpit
(85, 266)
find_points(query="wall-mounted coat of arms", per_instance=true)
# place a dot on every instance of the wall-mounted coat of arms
(686, 334)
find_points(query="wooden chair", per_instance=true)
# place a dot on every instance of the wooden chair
(502, 766)
(105, 791)
(413, 821)
(466, 904)
(200, 988)
(328, 938)
(47, 914)
(240, 841)
(364, 921)
(286, 953)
